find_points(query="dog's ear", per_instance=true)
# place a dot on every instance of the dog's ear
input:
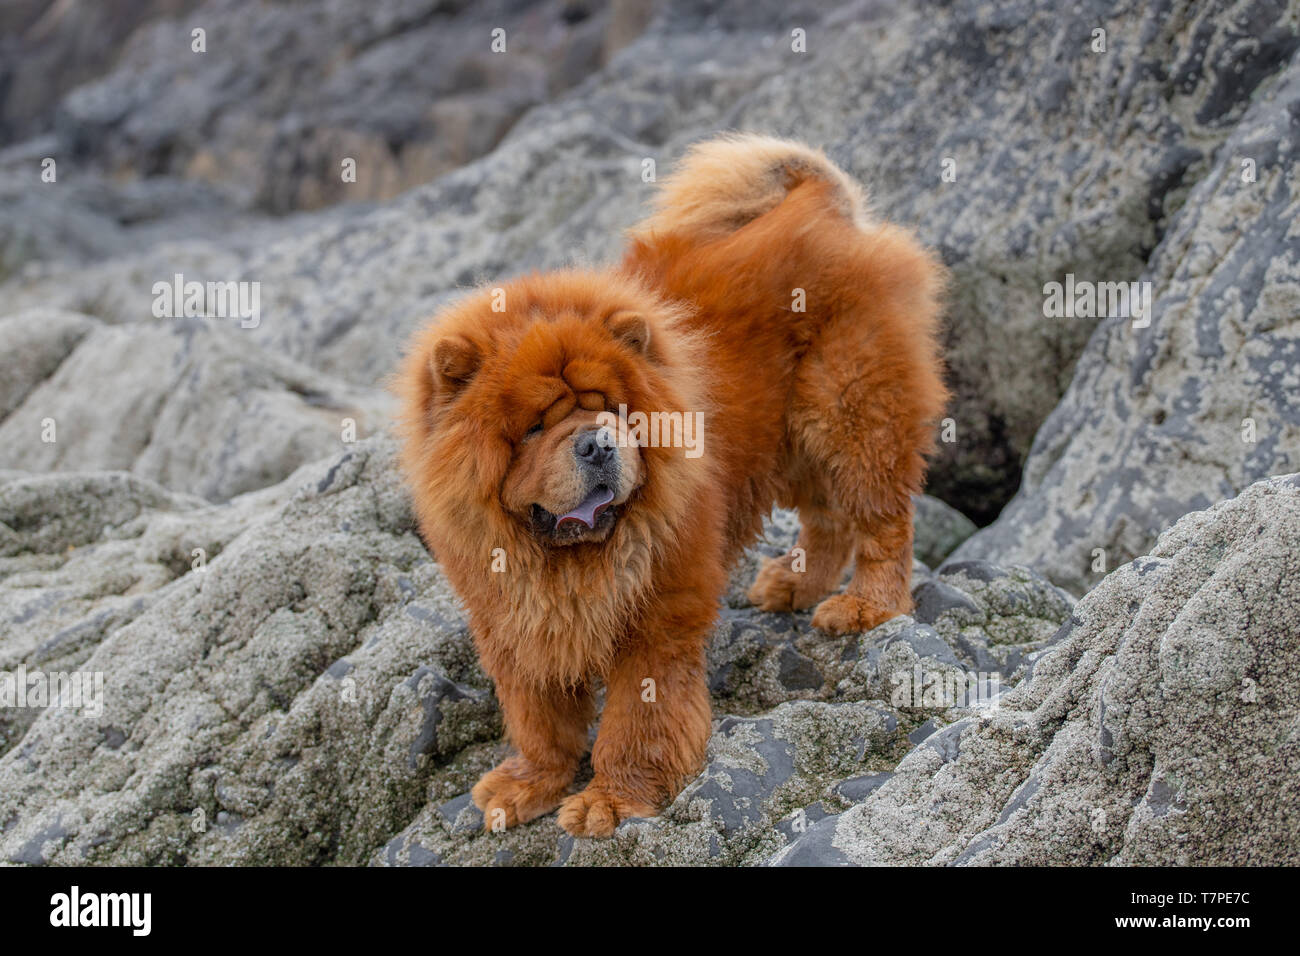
(454, 361)
(630, 328)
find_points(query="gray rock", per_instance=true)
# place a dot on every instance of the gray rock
(1155, 731)
(993, 616)
(857, 789)
(288, 678)
(973, 628)
(938, 529)
(306, 687)
(1065, 160)
(36, 344)
(816, 847)
(934, 599)
(758, 660)
(761, 772)
(227, 733)
(343, 292)
(311, 696)
(204, 411)
(407, 88)
(84, 216)
(460, 815)
(46, 50)
(1169, 419)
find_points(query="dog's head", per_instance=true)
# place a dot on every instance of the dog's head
(572, 478)
(514, 408)
(561, 389)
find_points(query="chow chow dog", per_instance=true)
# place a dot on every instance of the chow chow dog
(783, 345)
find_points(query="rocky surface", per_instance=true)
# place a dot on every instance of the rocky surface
(1066, 161)
(1158, 728)
(47, 49)
(288, 679)
(1164, 420)
(202, 412)
(1062, 159)
(217, 528)
(309, 694)
(271, 98)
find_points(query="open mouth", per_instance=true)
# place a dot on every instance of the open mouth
(593, 514)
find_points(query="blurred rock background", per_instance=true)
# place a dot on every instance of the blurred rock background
(1115, 141)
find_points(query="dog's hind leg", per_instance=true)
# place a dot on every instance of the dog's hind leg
(880, 587)
(811, 569)
(835, 528)
(857, 426)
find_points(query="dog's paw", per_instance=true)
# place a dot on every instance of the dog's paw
(848, 614)
(516, 792)
(778, 587)
(597, 810)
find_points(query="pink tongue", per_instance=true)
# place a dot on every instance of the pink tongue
(590, 509)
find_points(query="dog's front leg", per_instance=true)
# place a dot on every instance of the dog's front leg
(655, 726)
(548, 727)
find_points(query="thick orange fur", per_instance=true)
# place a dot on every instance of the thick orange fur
(829, 409)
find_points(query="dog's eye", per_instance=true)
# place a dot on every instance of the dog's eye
(533, 431)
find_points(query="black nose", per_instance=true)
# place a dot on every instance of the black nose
(590, 449)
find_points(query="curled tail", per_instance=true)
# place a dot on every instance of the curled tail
(726, 182)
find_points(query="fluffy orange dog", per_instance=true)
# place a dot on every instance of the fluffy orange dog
(758, 301)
